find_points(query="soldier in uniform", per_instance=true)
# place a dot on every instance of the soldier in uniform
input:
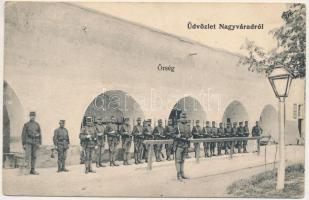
(183, 134)
(89, 137)
(31, 141)
(169, 134)
(138, 139)
(61, 141)
(113, 139)
(158, 133)
(246, 134)
(234, 134)
(197, 132)
(206, 133)
(213, 134)
(257, 130)
(147, 133)
(228, 131)
(126, 137)
(100, 130)
(221, 134)
(240, 133)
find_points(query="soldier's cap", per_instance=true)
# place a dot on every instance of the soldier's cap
(207, 122)
(32, 113)
(61, 121)
(220, 123)
(139, 119)
(213, 122)
(160, 120)
(197, 121)
(240, 122)
(234, 123)
(148, 120)
(88, 119)
(126, 118)
(246, 121)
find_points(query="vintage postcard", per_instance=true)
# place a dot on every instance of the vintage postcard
(154, 99)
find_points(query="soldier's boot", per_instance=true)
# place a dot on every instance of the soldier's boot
(182, 172)
(111, 163)
(63, 166)
(33, 172)
(90, 168)
(59, 166)
(86, 170)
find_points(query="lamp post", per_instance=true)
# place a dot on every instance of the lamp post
(280, 80)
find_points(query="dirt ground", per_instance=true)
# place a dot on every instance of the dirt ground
(209, 178)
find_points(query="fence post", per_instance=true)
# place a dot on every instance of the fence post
(150, 154)
(198, 153)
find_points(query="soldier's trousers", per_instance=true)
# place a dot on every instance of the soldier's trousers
(157, 150)
(226, 147)
(99, 152)
(62, 156)
(112, 145)
(169, 150)
(206, 146)
(89, 154)
(219, 147)
(180, 154)
(126, 145)
(30, 151)
(212, 148)
(145, 151)
(239, 145)
(137, 149)
(245, 142)
(196, 148)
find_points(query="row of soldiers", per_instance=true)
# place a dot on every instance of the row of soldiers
(93, 137)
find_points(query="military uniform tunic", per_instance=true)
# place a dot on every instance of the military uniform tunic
(89, 141)
(138, 142)
(169, 132)
(31, 139)
(197, 132)
(100, 130)
(113, 139)
(61, 141)
(183, 133)
(206, 145)
(147, 133)
(126, 137)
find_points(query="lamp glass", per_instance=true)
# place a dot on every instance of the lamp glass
(280, 80)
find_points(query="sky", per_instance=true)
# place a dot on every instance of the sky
(173, 18)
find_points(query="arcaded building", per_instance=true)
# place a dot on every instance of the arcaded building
(64, 61)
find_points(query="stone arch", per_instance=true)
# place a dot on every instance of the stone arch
(114, 103)
(235, 112)
(269, 121)
(191, 106)
(13, 119)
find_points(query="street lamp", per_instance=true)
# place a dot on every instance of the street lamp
(280, 79)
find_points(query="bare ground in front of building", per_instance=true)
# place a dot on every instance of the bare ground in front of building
(209, 178)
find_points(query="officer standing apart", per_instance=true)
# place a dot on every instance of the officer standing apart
(126, 137)
(169, 134)
(158, 133)
(89, 138)
(31, 141)
(61, 141)
(183, 134)
(197, 132)
(138, 139)
(100, 130)
(113, 140)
